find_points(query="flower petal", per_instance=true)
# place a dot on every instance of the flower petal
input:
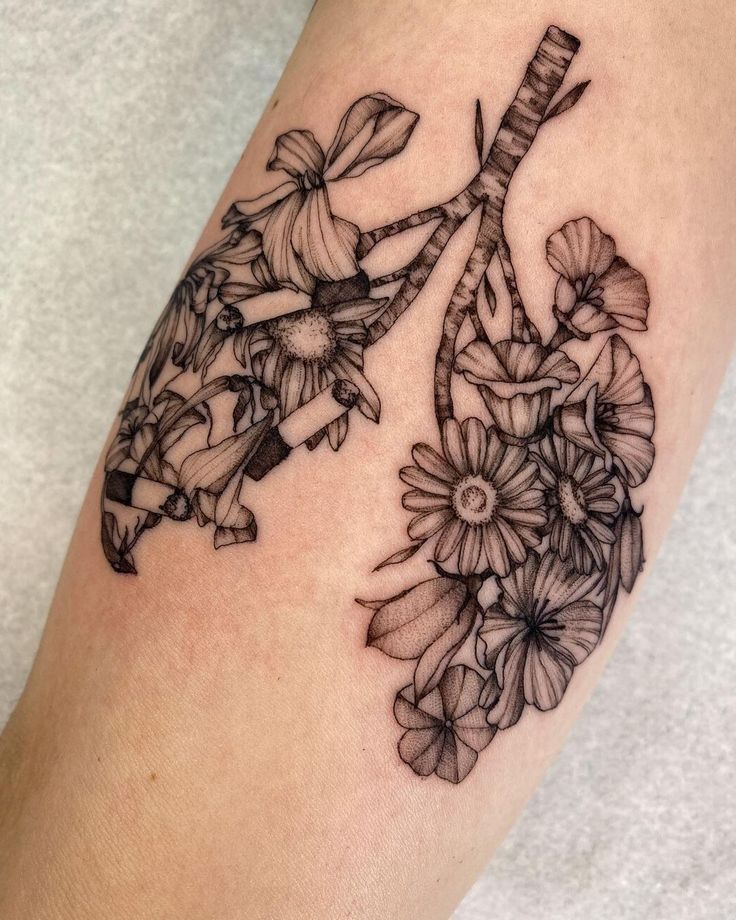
(558, 365)
(448, 540)
(460, 689)
(581, 629)
(428, 459)
(625, 295)
(495, 547)
(473, 729)
(507, 711)
(579, 249)
(369, 403)
(285, 264)
(547, 673)
(374, 128)
(497, 631)
(409, 715)
(474, 433)
(480, 364)
(421, 749)
(420, 479)
(470, 549)
(256, 208)
(453, 445)
(418, 500)
(326, 244)
(297, 153)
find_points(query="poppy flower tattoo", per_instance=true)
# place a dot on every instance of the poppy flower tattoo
(522, 509)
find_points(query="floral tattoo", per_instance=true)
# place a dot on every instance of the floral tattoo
(524, 511)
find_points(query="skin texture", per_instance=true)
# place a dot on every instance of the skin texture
(212, 738)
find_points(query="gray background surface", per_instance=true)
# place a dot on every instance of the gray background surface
(121, 123)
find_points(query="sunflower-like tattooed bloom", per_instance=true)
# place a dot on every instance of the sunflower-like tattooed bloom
(297, 355)
(480, 497)
(580, 496)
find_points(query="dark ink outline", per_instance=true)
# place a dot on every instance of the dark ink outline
(260, 351)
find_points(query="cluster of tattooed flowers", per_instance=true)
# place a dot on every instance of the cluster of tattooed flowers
(262, 324)
(528, 515)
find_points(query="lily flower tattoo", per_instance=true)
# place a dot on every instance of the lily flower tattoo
(528, 500)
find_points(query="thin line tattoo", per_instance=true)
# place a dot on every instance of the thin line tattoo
(524, 512)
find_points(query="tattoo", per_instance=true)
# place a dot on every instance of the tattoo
(525, 516)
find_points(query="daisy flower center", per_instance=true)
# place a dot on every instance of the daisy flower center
(572, 501)
(474, 500)
(306, 336)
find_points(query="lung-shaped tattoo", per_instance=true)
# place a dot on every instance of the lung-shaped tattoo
(524, 512)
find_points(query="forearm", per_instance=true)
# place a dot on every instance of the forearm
(211, 734)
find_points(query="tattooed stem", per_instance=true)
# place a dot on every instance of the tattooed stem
(462, 300)
(418, 272)
(522, 328)
(369, 239)
(389, 278)
(516, 133)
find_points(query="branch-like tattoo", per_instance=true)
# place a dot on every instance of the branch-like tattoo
(525, 516)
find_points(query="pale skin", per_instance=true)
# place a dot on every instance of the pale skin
(212, 738)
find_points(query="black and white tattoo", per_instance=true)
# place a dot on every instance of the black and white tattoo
(524, 511)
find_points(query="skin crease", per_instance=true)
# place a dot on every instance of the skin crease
(212, 738)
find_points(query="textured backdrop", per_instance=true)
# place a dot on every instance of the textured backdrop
(121, 123)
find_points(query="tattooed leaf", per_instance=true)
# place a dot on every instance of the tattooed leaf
(113, 547)
(433, 663)
(401, 556)
(479, 130)
(567, 101)
(372, 130)
(405, 625)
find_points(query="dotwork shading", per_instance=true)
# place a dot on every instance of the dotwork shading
(523, 509)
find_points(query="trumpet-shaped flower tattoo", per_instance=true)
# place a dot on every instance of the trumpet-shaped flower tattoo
(597, 289)
(517, 380)
(615, 418)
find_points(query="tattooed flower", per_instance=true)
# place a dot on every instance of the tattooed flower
(446, 729)
(615, 418)
(534, 636)
(302, 239)
(299, 354)
(516, 381)
(580, 496)
(597, 289)
(481, 497)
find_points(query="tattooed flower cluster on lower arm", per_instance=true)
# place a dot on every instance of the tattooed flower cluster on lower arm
(523, 509)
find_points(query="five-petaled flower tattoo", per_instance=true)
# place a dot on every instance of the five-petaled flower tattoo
(524, 526)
